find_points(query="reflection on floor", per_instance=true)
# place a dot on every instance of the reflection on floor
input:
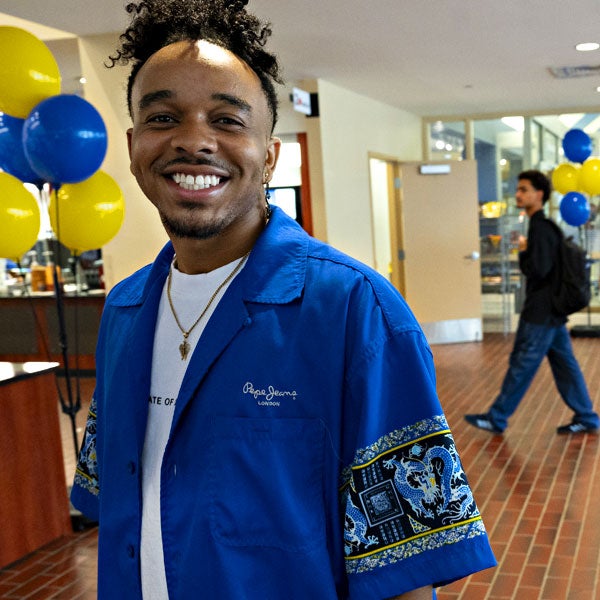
(537, 491)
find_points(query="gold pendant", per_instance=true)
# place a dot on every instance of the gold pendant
(184, 349)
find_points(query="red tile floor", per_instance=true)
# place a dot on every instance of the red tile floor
(538, 491)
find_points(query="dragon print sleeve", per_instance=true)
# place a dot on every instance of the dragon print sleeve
(406, 495)
(409, 512)
(86, 487)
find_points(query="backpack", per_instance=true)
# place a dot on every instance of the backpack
(571, 286)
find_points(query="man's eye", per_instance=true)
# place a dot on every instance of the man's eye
(229, 121)
(160, 119)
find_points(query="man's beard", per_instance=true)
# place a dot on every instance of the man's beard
(189, 229)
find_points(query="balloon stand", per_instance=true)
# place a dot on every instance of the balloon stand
(51, 141)
(71, 405)
(576, 179)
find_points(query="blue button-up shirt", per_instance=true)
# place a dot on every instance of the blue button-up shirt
(308, 456)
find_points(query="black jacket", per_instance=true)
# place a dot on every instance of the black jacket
(537, 263)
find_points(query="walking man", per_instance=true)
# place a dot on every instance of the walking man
(541, 332)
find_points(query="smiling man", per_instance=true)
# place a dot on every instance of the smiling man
(201, 150)
(265, 423)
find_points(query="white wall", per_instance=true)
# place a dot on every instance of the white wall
(380, 211)
(142, 234)
(352, 126)
(290, 121)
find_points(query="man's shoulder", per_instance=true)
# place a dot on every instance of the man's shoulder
(542, 220)
(545, 225)
(339, 273)
(129, 291)
(335, 263)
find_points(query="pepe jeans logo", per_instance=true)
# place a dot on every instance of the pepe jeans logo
(268, 396)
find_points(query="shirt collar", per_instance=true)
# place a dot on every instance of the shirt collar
(276, 268)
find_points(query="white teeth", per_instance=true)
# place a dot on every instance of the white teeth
(200, 182)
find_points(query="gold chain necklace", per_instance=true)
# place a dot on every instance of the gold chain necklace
(184, 347)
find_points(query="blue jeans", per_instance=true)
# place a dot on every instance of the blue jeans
(532, 343)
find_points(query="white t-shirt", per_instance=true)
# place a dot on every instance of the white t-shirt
(190, 295)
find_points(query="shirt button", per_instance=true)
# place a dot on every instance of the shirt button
(175, 470)
(130, 551)
(131, 467)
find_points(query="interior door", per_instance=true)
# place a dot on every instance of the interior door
(384, 210)
(440, 233)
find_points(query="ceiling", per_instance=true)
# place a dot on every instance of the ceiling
(430, 57)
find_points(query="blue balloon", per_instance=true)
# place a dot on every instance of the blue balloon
(65, 139)
(577, 145)
(575, 209)
(12, 156)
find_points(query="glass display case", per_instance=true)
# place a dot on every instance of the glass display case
(502, 283)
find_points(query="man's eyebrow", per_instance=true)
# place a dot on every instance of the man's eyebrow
(159, 95)
(234, 101)
(151, 97)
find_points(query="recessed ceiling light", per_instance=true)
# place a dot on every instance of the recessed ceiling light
(598, 89)
(587, 46)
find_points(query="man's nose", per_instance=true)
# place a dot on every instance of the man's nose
(194, 137)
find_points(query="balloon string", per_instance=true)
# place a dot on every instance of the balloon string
(42, 337)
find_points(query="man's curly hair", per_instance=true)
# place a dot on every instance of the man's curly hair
(226, 23)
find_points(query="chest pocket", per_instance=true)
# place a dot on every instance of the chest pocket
(267, 483)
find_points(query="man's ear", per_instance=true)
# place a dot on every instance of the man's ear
(129, 138)
(541, 197)
(273, 148)
(129, 134)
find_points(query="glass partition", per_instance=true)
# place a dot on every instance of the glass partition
(447, 140)
(503, 147)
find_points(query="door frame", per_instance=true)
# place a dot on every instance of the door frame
(395, 221)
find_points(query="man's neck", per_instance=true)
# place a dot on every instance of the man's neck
(533, 210)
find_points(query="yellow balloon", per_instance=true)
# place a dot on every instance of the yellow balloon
(565, 178)
(589, 179)
(19, 218)
(87, 215)
(28, 72)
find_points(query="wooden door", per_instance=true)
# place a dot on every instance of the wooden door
(440, 233)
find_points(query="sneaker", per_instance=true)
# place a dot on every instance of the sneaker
(483, 422)
(576, 428)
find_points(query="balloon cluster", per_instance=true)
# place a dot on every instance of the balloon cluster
(577, 180)
(50, 138)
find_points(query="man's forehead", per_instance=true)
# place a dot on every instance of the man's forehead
(213, 52)
(207, 66)
(201, 50)
(201, 53)
(525, 183)
(189, 55)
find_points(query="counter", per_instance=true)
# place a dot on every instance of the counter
(34, 504)
(29, 328)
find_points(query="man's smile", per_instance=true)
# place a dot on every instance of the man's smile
(198, 182)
